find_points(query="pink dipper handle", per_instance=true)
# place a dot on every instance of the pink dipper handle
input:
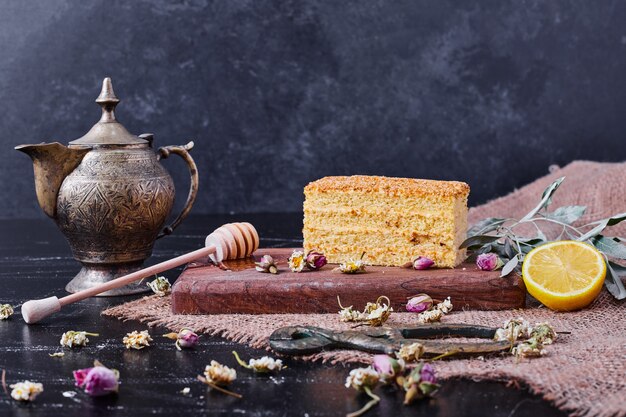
(230, 241)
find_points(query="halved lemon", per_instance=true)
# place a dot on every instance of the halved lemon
(564, 275)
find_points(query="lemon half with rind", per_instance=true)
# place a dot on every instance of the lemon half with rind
(564, 275)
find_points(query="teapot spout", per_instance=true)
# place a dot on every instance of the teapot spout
(52, 162)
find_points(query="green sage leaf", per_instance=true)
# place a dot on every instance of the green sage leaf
(546, 199)
(611, 221)
(478, 241)
(485, 226)
(509, 266)
(567, 214)
(614, 283)
(609, 246)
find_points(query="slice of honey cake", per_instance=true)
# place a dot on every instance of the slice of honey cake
(392, 220)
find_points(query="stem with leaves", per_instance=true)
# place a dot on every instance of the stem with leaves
(498, 235)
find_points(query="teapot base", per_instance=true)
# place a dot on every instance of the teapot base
(95, 274)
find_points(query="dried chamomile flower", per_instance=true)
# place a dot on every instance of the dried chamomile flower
(297, 261)
(352, 266)
(266, 264)
(513, 329)
(543, 333)
(364, 379)
(73, 338)
(263, 365)
(26, 391)
(137, 340)
(528, 349)
(6, 311)
(217, 376)
(410, 352)
(421, 383)
(56, 354)
(315, 260)
(430, 316)
(376, 314)
(185, 339)
(445, 306)
(160, 286)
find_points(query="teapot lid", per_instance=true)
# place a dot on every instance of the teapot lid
(108, 131)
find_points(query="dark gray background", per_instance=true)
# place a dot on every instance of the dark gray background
(278, 93)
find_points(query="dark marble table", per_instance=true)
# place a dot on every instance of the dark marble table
(35, 262)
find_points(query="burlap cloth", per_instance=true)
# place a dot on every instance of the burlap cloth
(584, 373)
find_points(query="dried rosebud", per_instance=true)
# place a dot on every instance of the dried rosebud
(219, 374)
(421, 262)
(267, 264)
(489, 262)
(186, 338)
(315, 260)
(97, 381)
(410, 352)
(160, 286)
(137, 340)
(387, 367)
(297, 261)
(419, 303)
(361, 378)
(6, 311)
(26, 391)
(73, 338)
(420, 383)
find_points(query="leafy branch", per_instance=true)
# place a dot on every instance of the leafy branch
(499, 235)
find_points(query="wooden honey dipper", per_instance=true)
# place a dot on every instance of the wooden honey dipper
(230, 241)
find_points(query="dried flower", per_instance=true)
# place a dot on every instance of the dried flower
(419, 303)
(528, 349)
(186, 338)
(137, 340)
(387, 367)
(513, 329)
(263, 365)
(315, 260)
(185, 391)
(543, 333)
(267, 264)
(160, 286)
(297, 261)
(6, 311)
(489, 262)
(73, 338)
(217, 376)
(422, 262)
(352, 266)
(56, 354)
(435, 315)
(420, 383)
(26, 391)
(97, 381)
(374, 314)
(410, 352)
(363, 379)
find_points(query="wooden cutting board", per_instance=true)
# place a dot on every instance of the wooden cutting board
(206, 289)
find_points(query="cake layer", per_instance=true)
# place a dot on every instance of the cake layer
(393, 220)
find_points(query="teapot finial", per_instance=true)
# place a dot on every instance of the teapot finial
(107, 100)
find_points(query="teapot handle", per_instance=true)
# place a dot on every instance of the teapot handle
(183, 152)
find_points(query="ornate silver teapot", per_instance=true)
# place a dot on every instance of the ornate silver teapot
(109, 195)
